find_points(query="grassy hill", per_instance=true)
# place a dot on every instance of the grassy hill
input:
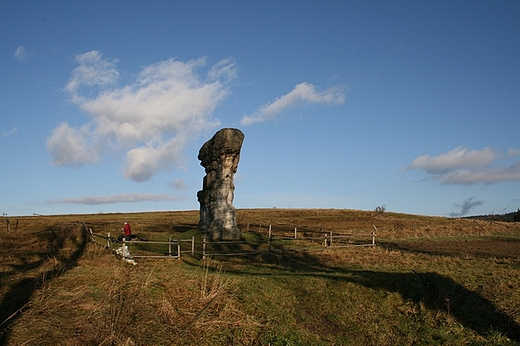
(429, 281)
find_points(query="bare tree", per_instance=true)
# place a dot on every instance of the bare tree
(380, 209)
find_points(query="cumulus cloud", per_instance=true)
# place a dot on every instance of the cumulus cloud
(70, 146)
(21, 53)
(465, 166)
(93, 70)
(303, 93)
(118, 198)
(152, 117)
(466, 207)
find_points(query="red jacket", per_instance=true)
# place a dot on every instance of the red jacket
(127, 230)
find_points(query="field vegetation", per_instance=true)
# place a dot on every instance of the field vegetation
(429, 281)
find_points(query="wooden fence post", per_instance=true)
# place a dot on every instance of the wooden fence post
(169, 246)
(373, 238)
(325, 241)
(8, 225)
(270, 239)
(91, 235)
(330, 241)
(193, 245)
(295, 233)
(108, 241)
(204, 247)
(123, 247)
(178, 249)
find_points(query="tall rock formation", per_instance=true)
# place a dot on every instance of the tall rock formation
(219, 156)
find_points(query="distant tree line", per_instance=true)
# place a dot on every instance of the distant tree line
(508, 217)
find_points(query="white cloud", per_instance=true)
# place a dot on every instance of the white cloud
(457, 158)
(143, 162)
(301, 94)
(118, 198)
(70, 146)
(13, 131)
(513, 152)
(21, 53)
(152, 118)
(486, 176)
(93, 70)
(465, 166)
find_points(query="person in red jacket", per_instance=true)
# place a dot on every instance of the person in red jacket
(127, 232)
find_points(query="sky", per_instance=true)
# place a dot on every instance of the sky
(410, 105)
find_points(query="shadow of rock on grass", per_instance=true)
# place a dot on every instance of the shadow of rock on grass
(182, 228)
(62, 244)
(485, 247)
(436, 292)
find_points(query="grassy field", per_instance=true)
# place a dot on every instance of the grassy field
(429, 281)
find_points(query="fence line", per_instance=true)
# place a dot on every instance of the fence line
(170, 242)
(110, 241)
(332, 244)
(328, 240)
(296, 230)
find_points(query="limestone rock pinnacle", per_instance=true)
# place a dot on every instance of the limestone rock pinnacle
(219, 156)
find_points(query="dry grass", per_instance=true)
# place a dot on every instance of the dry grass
(58, 289)
(101, 301)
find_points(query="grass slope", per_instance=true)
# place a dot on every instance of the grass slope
(415, 288)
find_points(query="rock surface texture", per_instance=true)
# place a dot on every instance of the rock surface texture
(219, 156)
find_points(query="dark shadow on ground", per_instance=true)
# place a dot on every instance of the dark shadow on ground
(435, 291)
(182, 228)
(485, 247)
(50, 246)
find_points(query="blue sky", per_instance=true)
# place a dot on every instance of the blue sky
(414, 105)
